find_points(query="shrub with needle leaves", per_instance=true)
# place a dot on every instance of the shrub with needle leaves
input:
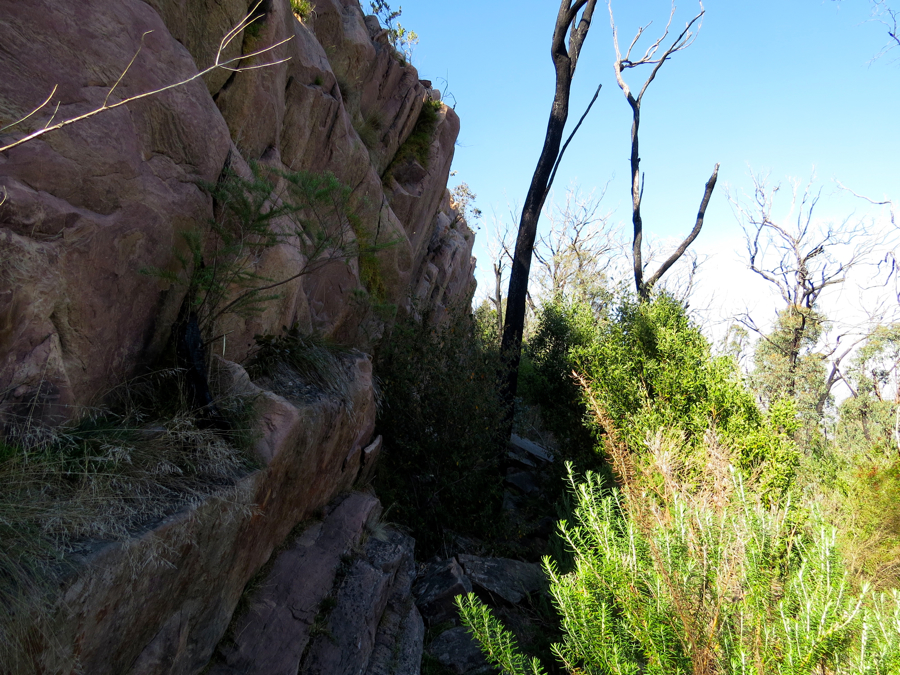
(675, 575)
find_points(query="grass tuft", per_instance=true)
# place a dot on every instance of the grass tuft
(113, 472)
(301, 367)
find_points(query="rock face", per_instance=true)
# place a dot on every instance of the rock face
(324, 609)
(87, 210)
(161, 602)
(88, 207)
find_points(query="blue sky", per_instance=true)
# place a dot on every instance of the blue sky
(778, 86)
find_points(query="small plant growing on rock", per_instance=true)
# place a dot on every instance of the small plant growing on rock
(297, 365)
(402, 39)
(302, 9)
(417, 146)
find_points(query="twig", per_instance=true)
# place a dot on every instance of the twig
(227, 65)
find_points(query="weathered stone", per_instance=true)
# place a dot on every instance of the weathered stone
(458, 651)
(509, 579)
(349, 636)
(89, 206)
(270, 637)
(531, 448)
(369, 461)
(523, 481)
(437, 586)
(175, 586)
(401, 631)
(201, 27)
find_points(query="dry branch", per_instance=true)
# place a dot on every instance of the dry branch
(228, 64)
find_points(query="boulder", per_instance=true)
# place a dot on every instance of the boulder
(509, 579)
(401, 631)
(436, 587)
(369, 461)
(530, 448)
(456, 650)
(523, 481)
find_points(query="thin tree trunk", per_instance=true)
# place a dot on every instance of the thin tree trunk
(564, 60)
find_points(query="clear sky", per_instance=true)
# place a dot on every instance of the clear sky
(782, 86)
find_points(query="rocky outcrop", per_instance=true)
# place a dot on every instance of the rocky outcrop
(336, 601)
(89, 207)
(159, 603)
(87, 211)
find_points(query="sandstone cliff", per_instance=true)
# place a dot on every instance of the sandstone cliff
(86, 210)
(90, 206)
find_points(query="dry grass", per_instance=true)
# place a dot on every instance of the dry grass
(302, 367)
(114, 472)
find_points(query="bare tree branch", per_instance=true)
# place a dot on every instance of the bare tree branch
(701, 214)
(683, 41)
(218, 63)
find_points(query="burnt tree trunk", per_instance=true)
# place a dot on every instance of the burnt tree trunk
(565, 59)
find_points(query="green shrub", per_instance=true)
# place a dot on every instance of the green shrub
(307, 211)
(442, 423)
(302, 9)
(706, 580)
(649, 368)
(402, 39)
(545, 377)
(418, 145)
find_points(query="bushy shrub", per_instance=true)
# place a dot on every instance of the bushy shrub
(676, 575)
(442, 427)
(649, 367)
(545, 377)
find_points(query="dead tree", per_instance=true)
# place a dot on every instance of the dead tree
(644, 285)
(574, 256)
(499, 245)
(573, 20)
(798, 256)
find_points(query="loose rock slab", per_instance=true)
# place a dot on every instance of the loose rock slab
(510, 579)
(439, 583)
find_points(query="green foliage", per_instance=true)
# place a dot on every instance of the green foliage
(704, 581)
(649, 368)
(402, 40)
(498, 644)
(545, 376)
(369, 129)
(868, 418)
(463, 200)
(308, 212)
(441, 422)
(302, 9)
(786, 364)
(418, 146)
